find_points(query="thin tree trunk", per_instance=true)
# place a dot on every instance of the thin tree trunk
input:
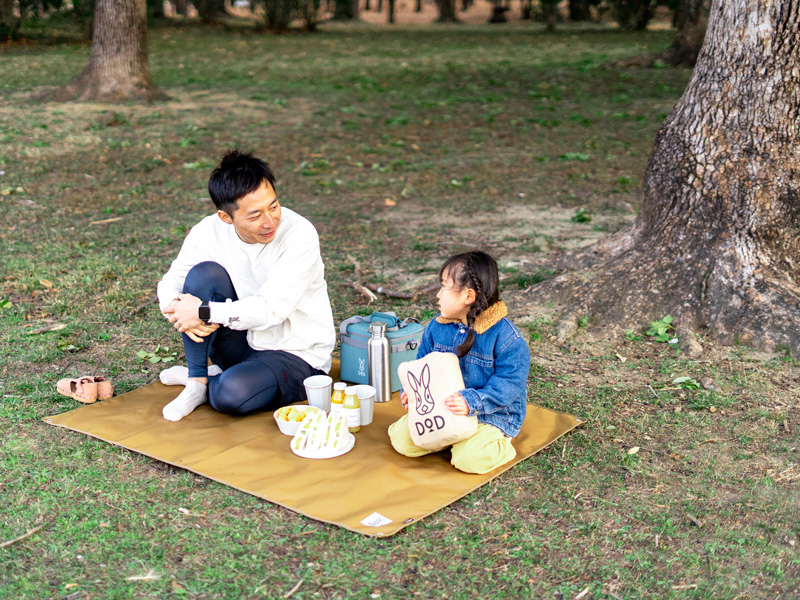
(181, 7)
(447, 11)
(391, 12)
(499, 9)
(717, 243)
(156, 8)
(117, 69)
(691, 21)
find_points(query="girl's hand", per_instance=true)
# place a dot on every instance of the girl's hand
(404, 400)
(457, 404)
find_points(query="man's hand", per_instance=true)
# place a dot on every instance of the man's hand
(457, 404)
(201, 331)
(182, 313)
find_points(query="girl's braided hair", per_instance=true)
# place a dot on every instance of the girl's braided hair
(477, 271)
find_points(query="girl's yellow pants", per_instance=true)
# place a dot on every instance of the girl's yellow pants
(483, 452)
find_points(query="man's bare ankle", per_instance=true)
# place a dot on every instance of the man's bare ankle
(203, 380)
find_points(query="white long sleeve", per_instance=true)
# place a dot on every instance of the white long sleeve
(283, 297)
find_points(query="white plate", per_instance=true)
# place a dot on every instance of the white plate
(350, 441)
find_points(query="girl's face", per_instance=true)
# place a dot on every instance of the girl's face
(454, 302)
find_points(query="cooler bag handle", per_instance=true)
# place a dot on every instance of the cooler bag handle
(390, 318)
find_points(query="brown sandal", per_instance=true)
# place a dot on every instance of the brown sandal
(104, 388)
(83, 389)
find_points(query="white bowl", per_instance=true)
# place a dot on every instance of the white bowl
(291, 427)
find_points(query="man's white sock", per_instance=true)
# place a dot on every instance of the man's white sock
(179, 375)
(193, 395)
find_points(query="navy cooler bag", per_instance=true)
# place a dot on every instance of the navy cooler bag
(404, 337)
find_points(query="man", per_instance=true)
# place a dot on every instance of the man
(248, 291)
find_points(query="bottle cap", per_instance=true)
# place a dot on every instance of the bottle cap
(378, 327)
(339, 385)
(350, 390)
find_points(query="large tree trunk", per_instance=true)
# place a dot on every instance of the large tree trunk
(717, 242)
(447, 11)
(117, 69)
(691, 20)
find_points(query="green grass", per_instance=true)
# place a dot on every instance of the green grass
(473, 133)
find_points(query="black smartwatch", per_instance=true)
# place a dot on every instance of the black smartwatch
(204, 313)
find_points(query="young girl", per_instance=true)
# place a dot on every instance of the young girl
(494, 360)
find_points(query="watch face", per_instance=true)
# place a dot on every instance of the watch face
(204, 312)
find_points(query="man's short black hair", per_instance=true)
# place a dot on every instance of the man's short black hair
(238, 174)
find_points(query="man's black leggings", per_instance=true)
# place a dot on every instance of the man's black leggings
(251, 380)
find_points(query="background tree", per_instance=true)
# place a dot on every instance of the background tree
(347, 10)
(210, 10)
(499, 8)
(549, 13)
(633, 14)
(11, 17)
(691, 21)
(717, 242)
(181, 7)
(278, 14)
(447, 11)
(579, 10)
(309, 11)
(117, 69)
(155, 9)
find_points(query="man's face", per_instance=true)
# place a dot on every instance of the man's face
(257, 216)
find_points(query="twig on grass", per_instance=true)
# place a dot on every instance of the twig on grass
(358, 284)
(369, 291)
(694, 520)
(28, 533)
(144, 304)
(583, 593)
(293, 590)
(151, 575)
(104, 221)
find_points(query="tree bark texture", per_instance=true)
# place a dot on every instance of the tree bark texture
(717, 242)
(117, 69)
(691, 21)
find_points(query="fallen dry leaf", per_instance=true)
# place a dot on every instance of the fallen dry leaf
(389, 202)
(633, 450)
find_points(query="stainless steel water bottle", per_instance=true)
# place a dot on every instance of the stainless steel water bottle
(378, 359)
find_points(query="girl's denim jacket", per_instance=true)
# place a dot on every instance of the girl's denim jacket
(495, 370)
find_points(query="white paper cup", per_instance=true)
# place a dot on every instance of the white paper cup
(366, 397)
(318, 391)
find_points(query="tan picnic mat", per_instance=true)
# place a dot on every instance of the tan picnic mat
(371, 490)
